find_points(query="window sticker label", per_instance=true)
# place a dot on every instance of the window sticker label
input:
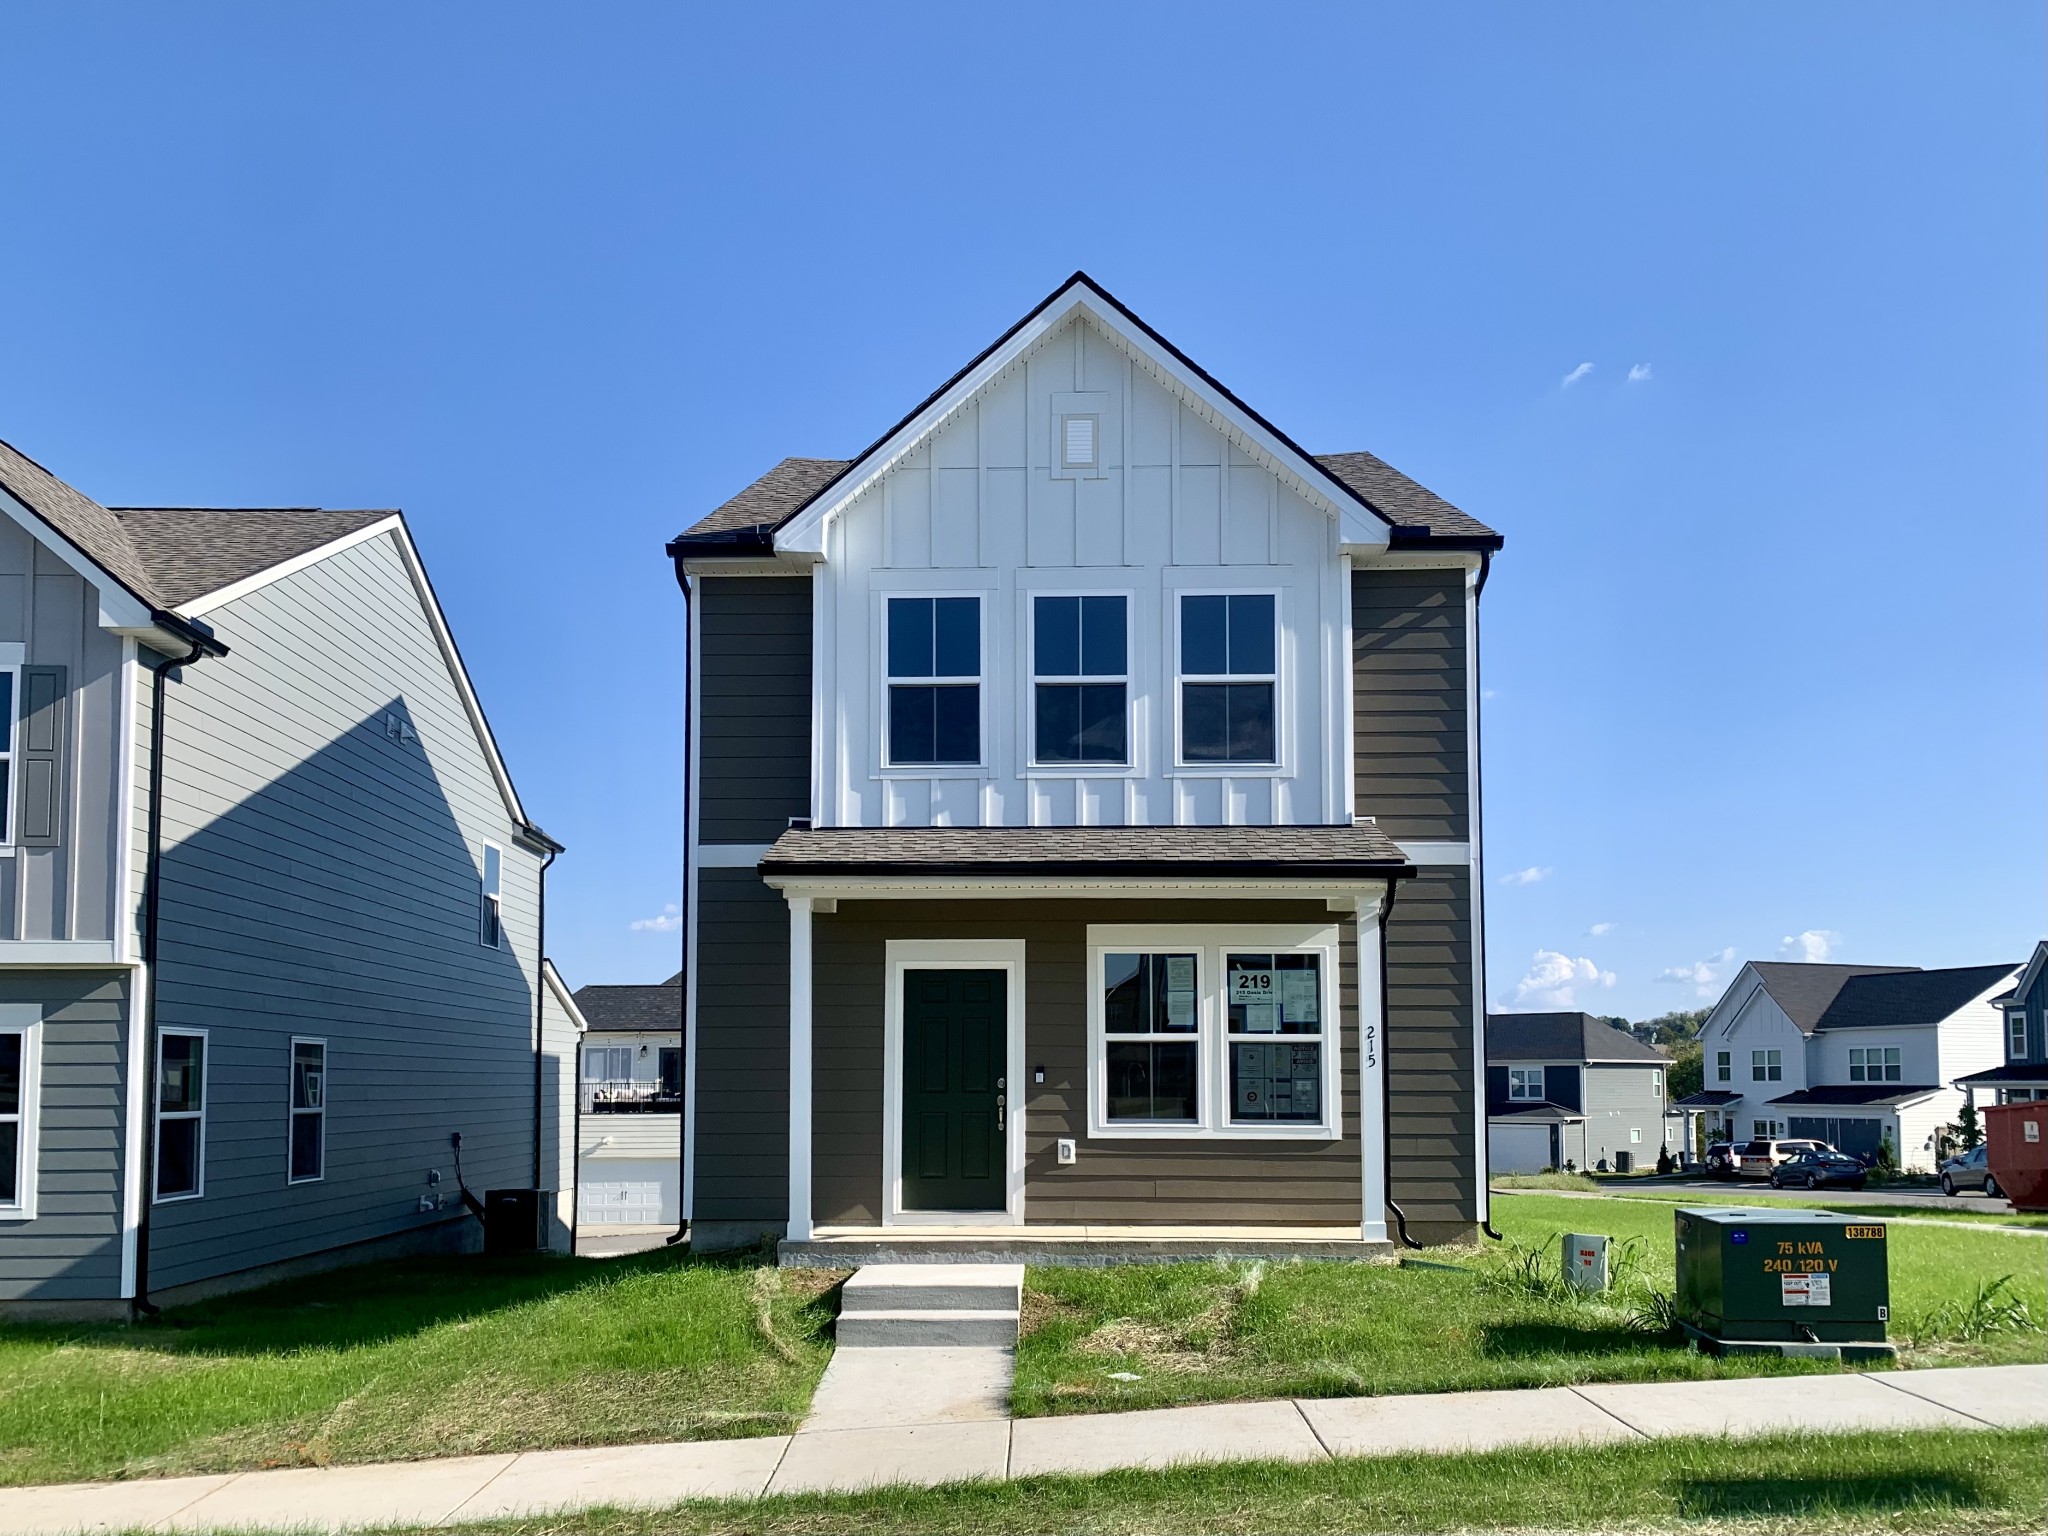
(1180, 1009)
(1262, 1018)
(1298, 996)
(1180, 973)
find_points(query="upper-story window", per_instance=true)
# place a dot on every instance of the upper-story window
(8, 678)
(1874, 1064)
(491, 915)
(1229, 651)
(1080, 666)
(2016, 1035)
(1766, 1067)
(1525, 1083)
(934, 680)
(1723, 1068)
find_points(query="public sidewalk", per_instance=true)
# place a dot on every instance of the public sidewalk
(956, 1449)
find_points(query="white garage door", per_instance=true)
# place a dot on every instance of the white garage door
(1518, 1148)
(627, 1193)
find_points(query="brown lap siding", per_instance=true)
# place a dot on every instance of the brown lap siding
(1434, 1174)
(1169, 1182)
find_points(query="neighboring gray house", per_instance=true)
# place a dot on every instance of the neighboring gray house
(629, 1147)
(1853, 1055)
(259, 966)
(1084, 827)
(2023, 1076)
(1569, 1088)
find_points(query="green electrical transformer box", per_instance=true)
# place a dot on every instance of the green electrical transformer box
(1782, 1275)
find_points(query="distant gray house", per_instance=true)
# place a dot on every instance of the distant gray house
(1084, 814)
(629, 1145)
(1568, 1088)
(270, 909)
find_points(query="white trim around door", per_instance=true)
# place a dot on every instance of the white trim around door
(901, 955)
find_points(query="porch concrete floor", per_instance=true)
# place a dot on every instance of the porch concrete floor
(839, 1247)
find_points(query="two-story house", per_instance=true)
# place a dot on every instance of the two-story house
(629, 1138)
(270, 909)
(2023, 1076)
(1083, 827)
(1567, 1088)
(1853, 1055)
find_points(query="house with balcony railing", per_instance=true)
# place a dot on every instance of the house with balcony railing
(630, 1102)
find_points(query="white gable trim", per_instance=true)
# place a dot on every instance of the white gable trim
(567, 999)
(120, 609)
(805, 533)
(263, 578)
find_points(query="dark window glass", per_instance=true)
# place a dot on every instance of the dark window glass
(1056, 636)
(1227, 722)
(1104, 645)
(1149, 995)
(309, 1074)
(6, 711)
(1276, 1081)
(1251, 634)
(1204, 636)
(177, 1157)
(1151, 1080)
(934, 637)
(10, 1075)
(10, 1163)
(956, 713)
(670, 1062)
(1082, 723)
(180, 1081)
(306, 1148)
(910, 637)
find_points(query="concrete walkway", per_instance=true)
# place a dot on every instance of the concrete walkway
(956, 1449)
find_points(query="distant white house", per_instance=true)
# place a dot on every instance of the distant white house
(630, 1106)
(1853, 1055)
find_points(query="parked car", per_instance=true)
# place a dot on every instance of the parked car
(1759, 1157)
(1720, 1161)
(1969, 1170)
(1820, 1170)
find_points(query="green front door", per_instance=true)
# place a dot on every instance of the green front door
(955, 1044)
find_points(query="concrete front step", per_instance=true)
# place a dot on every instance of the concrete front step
(934, 1288)
(955, 1329)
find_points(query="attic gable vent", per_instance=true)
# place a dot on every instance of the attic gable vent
(1079, 448)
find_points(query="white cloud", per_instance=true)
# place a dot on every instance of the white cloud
(1600, 930)
(1639, 373)
(1812, 946)
(1703, 975)
(1487, 693)
(1575, 375)
(1527, 876)
(669, 921)
(1554, 979)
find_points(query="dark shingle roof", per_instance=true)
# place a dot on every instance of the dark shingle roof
(191, 551)
(1804, 992)
(1563, 1037)
(1545, 1111)
(632, 1008)
(1400, 500)
(77, 517)
(1910, 997)
(169, 555)
(2020, 1072)
(1305, 851)
(776, 496)
(1706, 1098)
(1857, 1094)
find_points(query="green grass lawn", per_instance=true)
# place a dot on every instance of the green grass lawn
(1958, 1211)
(1140, 1337)
(1970, 1484)
(434, 1357)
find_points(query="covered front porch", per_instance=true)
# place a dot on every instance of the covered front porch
(1085, 1045)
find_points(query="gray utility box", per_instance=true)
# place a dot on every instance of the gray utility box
(1783, 1278)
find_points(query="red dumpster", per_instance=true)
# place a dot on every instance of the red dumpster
(2016, 1151)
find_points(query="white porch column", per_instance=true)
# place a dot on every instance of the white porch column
(799, 1229)
(1372, 1068)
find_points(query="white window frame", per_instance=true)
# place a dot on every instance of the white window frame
(10, 730)
(23, 1126)
(1724, 1066)
(1127, 679)
(292, 1110)
(1277, 765)
(1635, 1135)
(1657, 1083)
(1767, 1065)
(2016, 1041)
(1213, 944)
(1519, 1080)
(888, 767)
(624, 1077)
(156, 1164)
(490, 912)
(898, 956)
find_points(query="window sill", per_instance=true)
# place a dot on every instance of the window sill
(1230, 771)
(1080, 771)
(933, 771)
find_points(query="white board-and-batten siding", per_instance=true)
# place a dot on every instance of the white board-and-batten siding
(1174, 507)
(322, 878)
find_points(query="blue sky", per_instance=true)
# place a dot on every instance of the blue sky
(1730, 317)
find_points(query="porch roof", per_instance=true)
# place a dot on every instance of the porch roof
(1310, 853)
(1849, 1095)
(2014, 1074)
(1544, 1113)
(1706, 1098)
